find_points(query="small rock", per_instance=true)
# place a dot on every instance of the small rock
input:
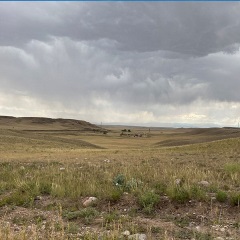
(191, 224)
(106, 160)
(125, 233)
(198, 228)
(90, 201)
(215, 227)
(61, 168)
(138, 236)
(178, 181)
(22, 168)
(204, 183)
(37, 198)
(16, 228)
(218, 238)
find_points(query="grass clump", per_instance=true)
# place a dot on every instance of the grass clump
(160, 188)
(119, 180)
(45, 188)
(115, 195)
(197, 193)
(180, 195)
(87, 214)
(189, 234)
(232, 168)
(182, 221)
(72, 228)
(133, 184)
(18, 198)
(148, 201)
(221, 196)
(235, 199)
(110, 217)
(130, 185)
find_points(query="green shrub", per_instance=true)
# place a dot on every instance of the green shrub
(88, 214)
(189, 234)
(157, 230)
(221, 196)
(148, 201)
(180, 195)
(110, 217)
(197, 193)
(20, 199)
(182, 221)
(119, 180)
(232, 168)
(133, 184)
(160, 188)
(235, 199)
(45, 188)
(29, 188)
(115, 195)
(72, 228)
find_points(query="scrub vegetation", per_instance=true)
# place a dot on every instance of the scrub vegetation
(165, 183)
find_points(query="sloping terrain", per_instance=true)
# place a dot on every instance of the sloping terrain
(39, 133)
(49, 168)
(37, 123)
(201, 135)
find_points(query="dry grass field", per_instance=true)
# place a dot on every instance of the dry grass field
(159, 183)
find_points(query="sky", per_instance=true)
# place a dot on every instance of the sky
(137, 63)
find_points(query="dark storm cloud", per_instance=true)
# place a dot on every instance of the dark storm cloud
(189, 28)
(66, 70)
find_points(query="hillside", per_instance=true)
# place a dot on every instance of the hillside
(197, 135)
(41, 123)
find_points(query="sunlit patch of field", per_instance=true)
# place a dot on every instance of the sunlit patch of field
(148, 184)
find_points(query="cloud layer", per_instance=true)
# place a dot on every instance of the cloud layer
(128, 62)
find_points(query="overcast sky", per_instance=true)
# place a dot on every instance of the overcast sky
(121, 62)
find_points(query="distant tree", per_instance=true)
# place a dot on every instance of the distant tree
(129, 130)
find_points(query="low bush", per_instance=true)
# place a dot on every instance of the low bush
(180, 195)
(235, 199)
(221, 196)
(87, 214)
(148, 201)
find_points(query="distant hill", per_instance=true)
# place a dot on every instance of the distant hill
(199, 135)
(41, 124)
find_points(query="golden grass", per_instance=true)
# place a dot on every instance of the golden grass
(65, 168)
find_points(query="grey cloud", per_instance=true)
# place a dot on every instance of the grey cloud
(188, 28)
(68, 71)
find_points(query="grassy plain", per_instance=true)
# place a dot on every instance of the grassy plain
(150, 184)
